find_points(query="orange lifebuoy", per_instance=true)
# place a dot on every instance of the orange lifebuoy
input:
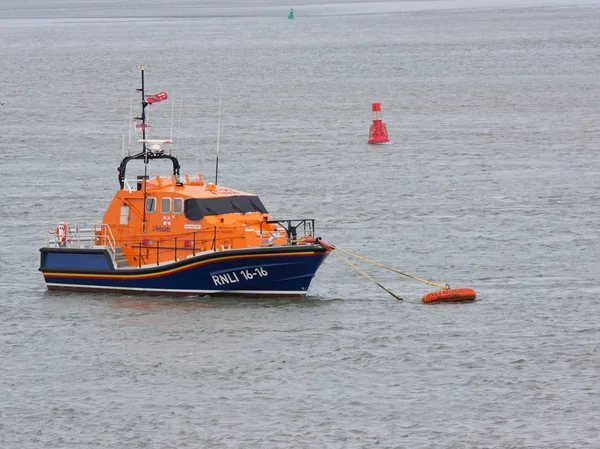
(452, 295)
(305, 240)
(61, 234)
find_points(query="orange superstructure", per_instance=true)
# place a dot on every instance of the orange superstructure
(166, 218)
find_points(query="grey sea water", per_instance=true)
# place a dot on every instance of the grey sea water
(490, 183)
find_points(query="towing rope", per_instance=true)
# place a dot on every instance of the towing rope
(444, 287)
(367, 276)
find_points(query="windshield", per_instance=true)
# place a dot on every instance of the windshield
(197, 208)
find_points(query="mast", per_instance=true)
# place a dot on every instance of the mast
(148, 153)
(144, 149)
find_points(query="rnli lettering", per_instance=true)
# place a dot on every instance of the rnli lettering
(232, 277)
(161, 229)
(225, 278)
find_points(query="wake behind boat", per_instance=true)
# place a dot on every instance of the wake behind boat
(176, 235)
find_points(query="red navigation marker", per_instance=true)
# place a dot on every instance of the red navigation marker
(378, 133)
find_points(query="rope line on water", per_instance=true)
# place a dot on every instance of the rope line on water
(444, 287)
(368, 277)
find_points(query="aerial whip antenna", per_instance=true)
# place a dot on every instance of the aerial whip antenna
(218, 137)
(130, 118)
(172, 113)
(179, 126)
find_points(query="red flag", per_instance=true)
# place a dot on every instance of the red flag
(156, 97)
(142, 126)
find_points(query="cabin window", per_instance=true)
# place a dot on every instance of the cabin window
(197, 208)
(178, 205)
(165, 206)
(150, 205)
(124, 215)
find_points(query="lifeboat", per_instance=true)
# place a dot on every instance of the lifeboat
(178, 235)
(451, 295)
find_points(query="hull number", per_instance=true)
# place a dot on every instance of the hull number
(250, 274)
(233, 277)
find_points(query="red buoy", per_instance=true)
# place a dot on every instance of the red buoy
(452, 295)
(378, 133)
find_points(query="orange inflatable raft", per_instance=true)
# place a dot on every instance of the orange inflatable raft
(451, 295)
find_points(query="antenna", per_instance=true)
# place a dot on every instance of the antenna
(218, 137)
(172, 112)
(130, 117)
(179, 126)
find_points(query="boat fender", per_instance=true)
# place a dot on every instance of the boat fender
(325, 245)
(61, 234)
(450, 295)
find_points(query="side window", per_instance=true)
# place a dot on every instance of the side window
(165, 206)
(124, 216)
(150, 205)
(178, 205)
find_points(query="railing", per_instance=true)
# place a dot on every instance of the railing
(154, 251)
(132, 184)
(296, 231)
(158, 249)
(80, 235)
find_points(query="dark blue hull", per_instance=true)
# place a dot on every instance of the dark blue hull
(259, 272)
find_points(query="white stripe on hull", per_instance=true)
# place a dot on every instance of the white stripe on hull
(184, 292)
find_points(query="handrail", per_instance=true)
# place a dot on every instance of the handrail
(75, 234)
(291, 230)
(111, 237)
(160, 249)
(111, 240)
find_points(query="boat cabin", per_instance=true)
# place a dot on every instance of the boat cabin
(166, 218)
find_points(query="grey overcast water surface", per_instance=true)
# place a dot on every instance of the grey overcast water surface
(490, 183)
